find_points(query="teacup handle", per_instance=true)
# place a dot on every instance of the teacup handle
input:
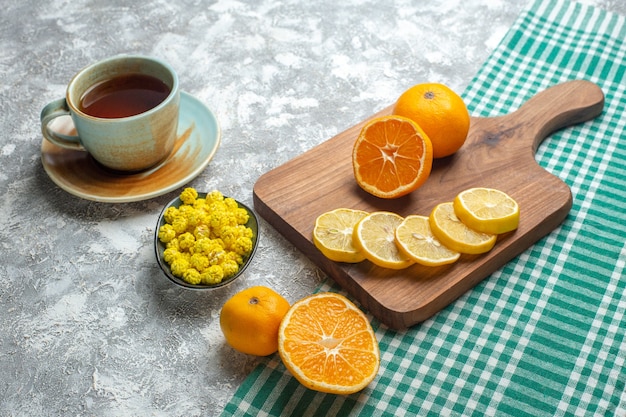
(53, 110)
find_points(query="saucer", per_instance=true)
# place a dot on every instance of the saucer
(76, 172)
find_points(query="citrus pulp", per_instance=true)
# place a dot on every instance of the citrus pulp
(487, 210)
(328, 344)
(416, 240)
(374, 236)
(391, 157)
(453, 233)
(332, 234)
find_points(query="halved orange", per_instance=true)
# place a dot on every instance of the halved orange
(328, 344)
(392, 157)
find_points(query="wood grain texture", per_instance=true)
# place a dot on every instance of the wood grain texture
(499, 153)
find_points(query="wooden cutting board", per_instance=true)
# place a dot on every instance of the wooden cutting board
(499, 153)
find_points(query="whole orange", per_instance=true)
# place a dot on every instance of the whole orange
(440, 112)
(250, 320)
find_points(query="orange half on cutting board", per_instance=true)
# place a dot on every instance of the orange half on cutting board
(392, 157)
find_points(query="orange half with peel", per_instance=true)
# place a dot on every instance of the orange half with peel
(392, 157)
(328, 344)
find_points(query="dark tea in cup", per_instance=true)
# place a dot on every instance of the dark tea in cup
(124, 96)
(125, 110)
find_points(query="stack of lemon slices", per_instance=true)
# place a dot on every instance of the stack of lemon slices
(468, 225)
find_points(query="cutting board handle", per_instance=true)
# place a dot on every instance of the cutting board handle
(557, 107)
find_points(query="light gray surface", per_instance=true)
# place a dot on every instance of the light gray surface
(88, 325)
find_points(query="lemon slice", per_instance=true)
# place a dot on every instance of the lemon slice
(487, 210)
(332, 235)
(453, 233)
(416, 240)
(374, 236)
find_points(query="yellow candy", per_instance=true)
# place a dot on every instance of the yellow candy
(206, 238)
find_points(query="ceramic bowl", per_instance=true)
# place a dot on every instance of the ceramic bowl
(159, 246)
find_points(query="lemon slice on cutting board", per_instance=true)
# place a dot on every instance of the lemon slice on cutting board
(374, 236)
(332, 235)
(455, 234)
(487, 210)
(415, 239)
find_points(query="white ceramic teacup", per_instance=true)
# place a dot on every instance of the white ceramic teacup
(120, 142)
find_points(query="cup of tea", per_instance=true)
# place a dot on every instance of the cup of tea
(125, 111)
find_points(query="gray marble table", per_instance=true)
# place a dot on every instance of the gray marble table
(88, 324)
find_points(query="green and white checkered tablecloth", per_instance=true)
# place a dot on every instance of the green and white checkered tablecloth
(546, 334)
